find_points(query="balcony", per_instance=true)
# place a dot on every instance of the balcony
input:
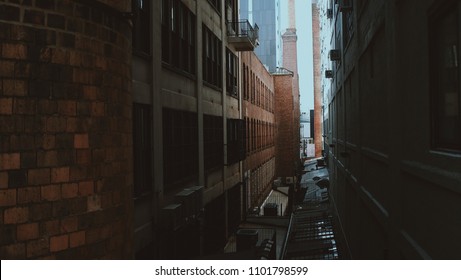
(242, 35)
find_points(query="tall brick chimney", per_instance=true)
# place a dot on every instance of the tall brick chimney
(290, 62)
(291, 15)
(317, 79)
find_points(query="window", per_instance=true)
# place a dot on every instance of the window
(178, 34)
(338, 37)
(231, 15)
(216, 4)
(348, 23)
(235, 140)
(247, 136)
(213, 142)
(212, 70)
(231, 73)
(141, 26)
(180, 152)
(445, 78)
(252, 87)
(142, 148)
(245, 81)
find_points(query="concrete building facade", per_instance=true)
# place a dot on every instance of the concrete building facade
(186, 86)
(392, 125)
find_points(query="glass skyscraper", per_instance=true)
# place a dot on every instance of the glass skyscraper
(266, 14)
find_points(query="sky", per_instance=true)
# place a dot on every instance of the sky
(304, 45)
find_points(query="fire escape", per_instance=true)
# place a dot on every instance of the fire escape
(240, 33)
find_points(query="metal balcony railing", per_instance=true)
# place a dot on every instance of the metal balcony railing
(243, 35)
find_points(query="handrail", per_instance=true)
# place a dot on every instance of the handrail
(243, 28)
(284, 247)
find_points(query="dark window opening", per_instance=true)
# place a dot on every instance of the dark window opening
(231, 73)
(445, 78)
(178, 36)
(142, 149)
(141, 26)
(348, 24)
(211, 57)
(235, 140)
(180, 153)
(213, 142)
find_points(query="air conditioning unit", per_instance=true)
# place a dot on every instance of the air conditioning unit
(186, 198)
(235, 90)
(335, 55)
(329, 74)
(172, 216)
(270, 209)
(329, 13)
(277, 183)
(345, 5)
(198, 198)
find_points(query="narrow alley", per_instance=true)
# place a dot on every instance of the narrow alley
(191, 129)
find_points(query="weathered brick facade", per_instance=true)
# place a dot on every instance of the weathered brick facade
(258, 108)
(287, 103)
(65, 129)
(286, 143)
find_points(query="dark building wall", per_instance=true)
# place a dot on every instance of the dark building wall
(65, 120)
(397, 190)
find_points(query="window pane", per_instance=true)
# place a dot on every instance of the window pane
(142, 148)
(446, 81)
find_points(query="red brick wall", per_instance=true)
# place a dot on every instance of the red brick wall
(259, 159)
(65, 120)
(286, 145)
(290, 62)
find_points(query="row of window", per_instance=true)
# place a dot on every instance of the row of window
(212, 65)
(259, 135)
(211, 55)
(180, 146)
(255, 91)
(178, 36)
(261, 181)
(179, 42)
